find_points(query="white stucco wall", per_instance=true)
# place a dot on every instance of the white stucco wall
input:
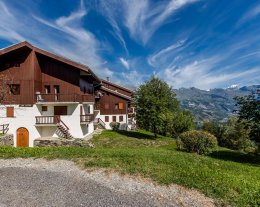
(25, 117)
(122, 123)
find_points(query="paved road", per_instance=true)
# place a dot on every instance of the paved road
(30, 187)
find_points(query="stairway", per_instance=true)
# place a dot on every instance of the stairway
(64, 132)
(99, 124)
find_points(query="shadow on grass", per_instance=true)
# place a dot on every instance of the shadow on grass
(137, 135)
(236, 156)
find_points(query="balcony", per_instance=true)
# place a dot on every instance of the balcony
(72, 98)
(47, 120)
(85, 119)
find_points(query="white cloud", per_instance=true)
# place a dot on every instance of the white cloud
(155, 57)
(200, 74)
(124, 62)
(143, 19)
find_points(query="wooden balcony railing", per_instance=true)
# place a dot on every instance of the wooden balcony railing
(42, 97)
(4, 128)
(86, 118)
(47, 119)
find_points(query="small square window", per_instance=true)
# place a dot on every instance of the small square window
(116, 106)
(114, 118)
(106, 118)
(121, 118)
(44, 108)
(10, 111)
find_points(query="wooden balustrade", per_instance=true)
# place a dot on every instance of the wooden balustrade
(42, 97)
(86, 118)
(47, 119)
(4, 128)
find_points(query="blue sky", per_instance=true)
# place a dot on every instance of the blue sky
(201, 43)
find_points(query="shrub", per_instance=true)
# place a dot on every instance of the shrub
(115, 126)
(200, 142)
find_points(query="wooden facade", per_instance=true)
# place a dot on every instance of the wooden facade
(33, 71)
(39, 76)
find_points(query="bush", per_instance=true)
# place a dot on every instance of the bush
(115, 126)
(200, 142)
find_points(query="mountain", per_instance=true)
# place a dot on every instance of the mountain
(215, 104)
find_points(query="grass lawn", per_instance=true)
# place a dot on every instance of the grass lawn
(228, 176)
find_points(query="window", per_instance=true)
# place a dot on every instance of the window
(9, 111)
(14, 89)
(106, 106)
(120, 118)
(47, 89)
(44, 108)
(60, 110)
(56, 89)
(121, 105)
(114, 118)
(106, 118)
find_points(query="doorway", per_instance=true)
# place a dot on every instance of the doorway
(22, 137)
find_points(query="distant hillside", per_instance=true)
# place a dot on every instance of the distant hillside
(215, 104)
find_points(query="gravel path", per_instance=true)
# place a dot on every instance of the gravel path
(37, 182)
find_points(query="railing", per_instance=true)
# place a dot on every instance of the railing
(62, 123)
(98, 120)
(47, 119)
(4, 128)
(42, 97)
(97, 107)
(86, 118)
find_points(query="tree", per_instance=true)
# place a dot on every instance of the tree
(154, 100)
(175, 123)
(237, 135)
(249, 110)
(217, 129)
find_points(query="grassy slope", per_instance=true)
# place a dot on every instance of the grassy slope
(228, 175)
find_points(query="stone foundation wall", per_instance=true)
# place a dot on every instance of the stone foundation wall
(7, 140)
(58, 142)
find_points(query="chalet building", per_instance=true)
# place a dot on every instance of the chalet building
(51, 96)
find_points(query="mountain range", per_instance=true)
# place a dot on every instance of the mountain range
(214, 104)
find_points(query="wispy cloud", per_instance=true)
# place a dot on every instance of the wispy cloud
(251, 14)
(64, 36)
(124, 62)
(143, 19)
(154, 58)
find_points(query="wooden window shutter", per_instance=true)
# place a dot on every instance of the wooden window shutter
(120, 105)
(9, 111)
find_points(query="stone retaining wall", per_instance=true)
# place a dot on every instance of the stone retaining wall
(7, 140)
(58, 142)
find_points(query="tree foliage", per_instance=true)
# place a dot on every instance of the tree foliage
(236, 135)
(157, 108)
(249, 110)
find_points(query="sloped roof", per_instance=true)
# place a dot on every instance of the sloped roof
(116, 93)
(48, 54)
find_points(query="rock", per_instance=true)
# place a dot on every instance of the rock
(57, 142)
(7, 140)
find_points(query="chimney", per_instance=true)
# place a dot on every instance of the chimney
(107, 78)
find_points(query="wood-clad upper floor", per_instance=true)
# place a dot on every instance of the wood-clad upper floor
(34, 75)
